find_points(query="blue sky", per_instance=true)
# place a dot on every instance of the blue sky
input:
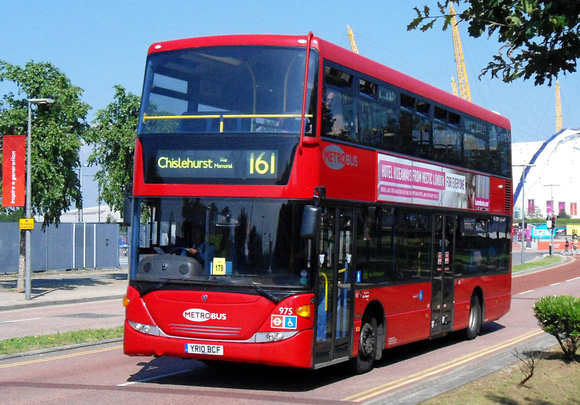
(98, 44)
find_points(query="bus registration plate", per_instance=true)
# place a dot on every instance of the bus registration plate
(212, 350)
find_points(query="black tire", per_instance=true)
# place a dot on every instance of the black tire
(367, 347)
(475, 317)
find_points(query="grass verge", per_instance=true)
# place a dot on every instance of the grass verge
(29, 343)
(546, 261)
(553, 382)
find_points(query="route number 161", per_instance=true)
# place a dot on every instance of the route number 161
(262, 164)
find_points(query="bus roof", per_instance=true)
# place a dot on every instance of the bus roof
(346, 58)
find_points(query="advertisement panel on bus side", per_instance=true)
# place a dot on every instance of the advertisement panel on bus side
(412, 182)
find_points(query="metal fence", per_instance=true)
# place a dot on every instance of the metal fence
(68, 246)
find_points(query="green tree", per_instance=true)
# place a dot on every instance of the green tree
(540, 39)
(57, 131)
(113, 138)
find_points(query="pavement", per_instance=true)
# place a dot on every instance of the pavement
(64, 287)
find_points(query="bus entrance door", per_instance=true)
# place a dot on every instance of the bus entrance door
(442, 274)
(333, 328)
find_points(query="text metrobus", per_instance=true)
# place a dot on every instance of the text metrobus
(296, 204)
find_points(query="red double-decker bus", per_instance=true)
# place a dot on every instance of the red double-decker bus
(296, 204)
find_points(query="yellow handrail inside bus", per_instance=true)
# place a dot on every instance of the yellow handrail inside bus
(325, 292)
(221, 117)
(326, 289)
(176, 117)
(225, 116)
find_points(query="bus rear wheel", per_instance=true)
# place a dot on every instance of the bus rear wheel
(475, 318)
(367, 347)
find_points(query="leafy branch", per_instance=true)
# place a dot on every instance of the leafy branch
(541, 39)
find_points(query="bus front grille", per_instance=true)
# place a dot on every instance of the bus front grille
(205, 330)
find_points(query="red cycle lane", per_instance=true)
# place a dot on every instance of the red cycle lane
(540, 278)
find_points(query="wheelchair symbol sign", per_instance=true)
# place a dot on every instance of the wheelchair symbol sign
(290, 322)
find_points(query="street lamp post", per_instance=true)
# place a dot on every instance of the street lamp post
(28, 232)
(523, 208)
(552, 214)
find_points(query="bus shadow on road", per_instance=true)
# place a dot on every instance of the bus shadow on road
(413, 350)
(166, 371)
(188, 372)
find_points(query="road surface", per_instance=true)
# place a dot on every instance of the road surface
(102, 374)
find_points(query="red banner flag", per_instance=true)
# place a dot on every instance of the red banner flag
(13, 170)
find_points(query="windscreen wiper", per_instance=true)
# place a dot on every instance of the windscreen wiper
(260, 290)
(157, 286)
(166, 281)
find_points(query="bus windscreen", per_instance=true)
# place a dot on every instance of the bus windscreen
(226, 89)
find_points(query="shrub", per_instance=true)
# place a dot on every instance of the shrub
(560, 317)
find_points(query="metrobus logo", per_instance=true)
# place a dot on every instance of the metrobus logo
(201, 315)
(336, 158)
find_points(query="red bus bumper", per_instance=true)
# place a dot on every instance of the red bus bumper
(293, 352)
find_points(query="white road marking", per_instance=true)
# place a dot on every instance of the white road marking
(21, 320)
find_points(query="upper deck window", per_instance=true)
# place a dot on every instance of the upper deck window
(440, 114)
(226, 89)
(423, 108)
(369, 88)
(337, 77)
(407, 102)
(338, 119)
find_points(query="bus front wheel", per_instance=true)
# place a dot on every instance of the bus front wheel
(475, 317)
(367, 346)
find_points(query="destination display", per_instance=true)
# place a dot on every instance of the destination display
(217, 164)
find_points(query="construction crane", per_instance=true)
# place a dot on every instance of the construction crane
(351, 38)
(559, 125)
(464, 92)
(454, 86)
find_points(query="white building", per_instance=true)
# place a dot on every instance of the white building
(98, 214)
(553, 183)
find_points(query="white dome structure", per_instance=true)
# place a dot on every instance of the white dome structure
(552, 184)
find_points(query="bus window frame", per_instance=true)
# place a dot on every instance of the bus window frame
(409, 103)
